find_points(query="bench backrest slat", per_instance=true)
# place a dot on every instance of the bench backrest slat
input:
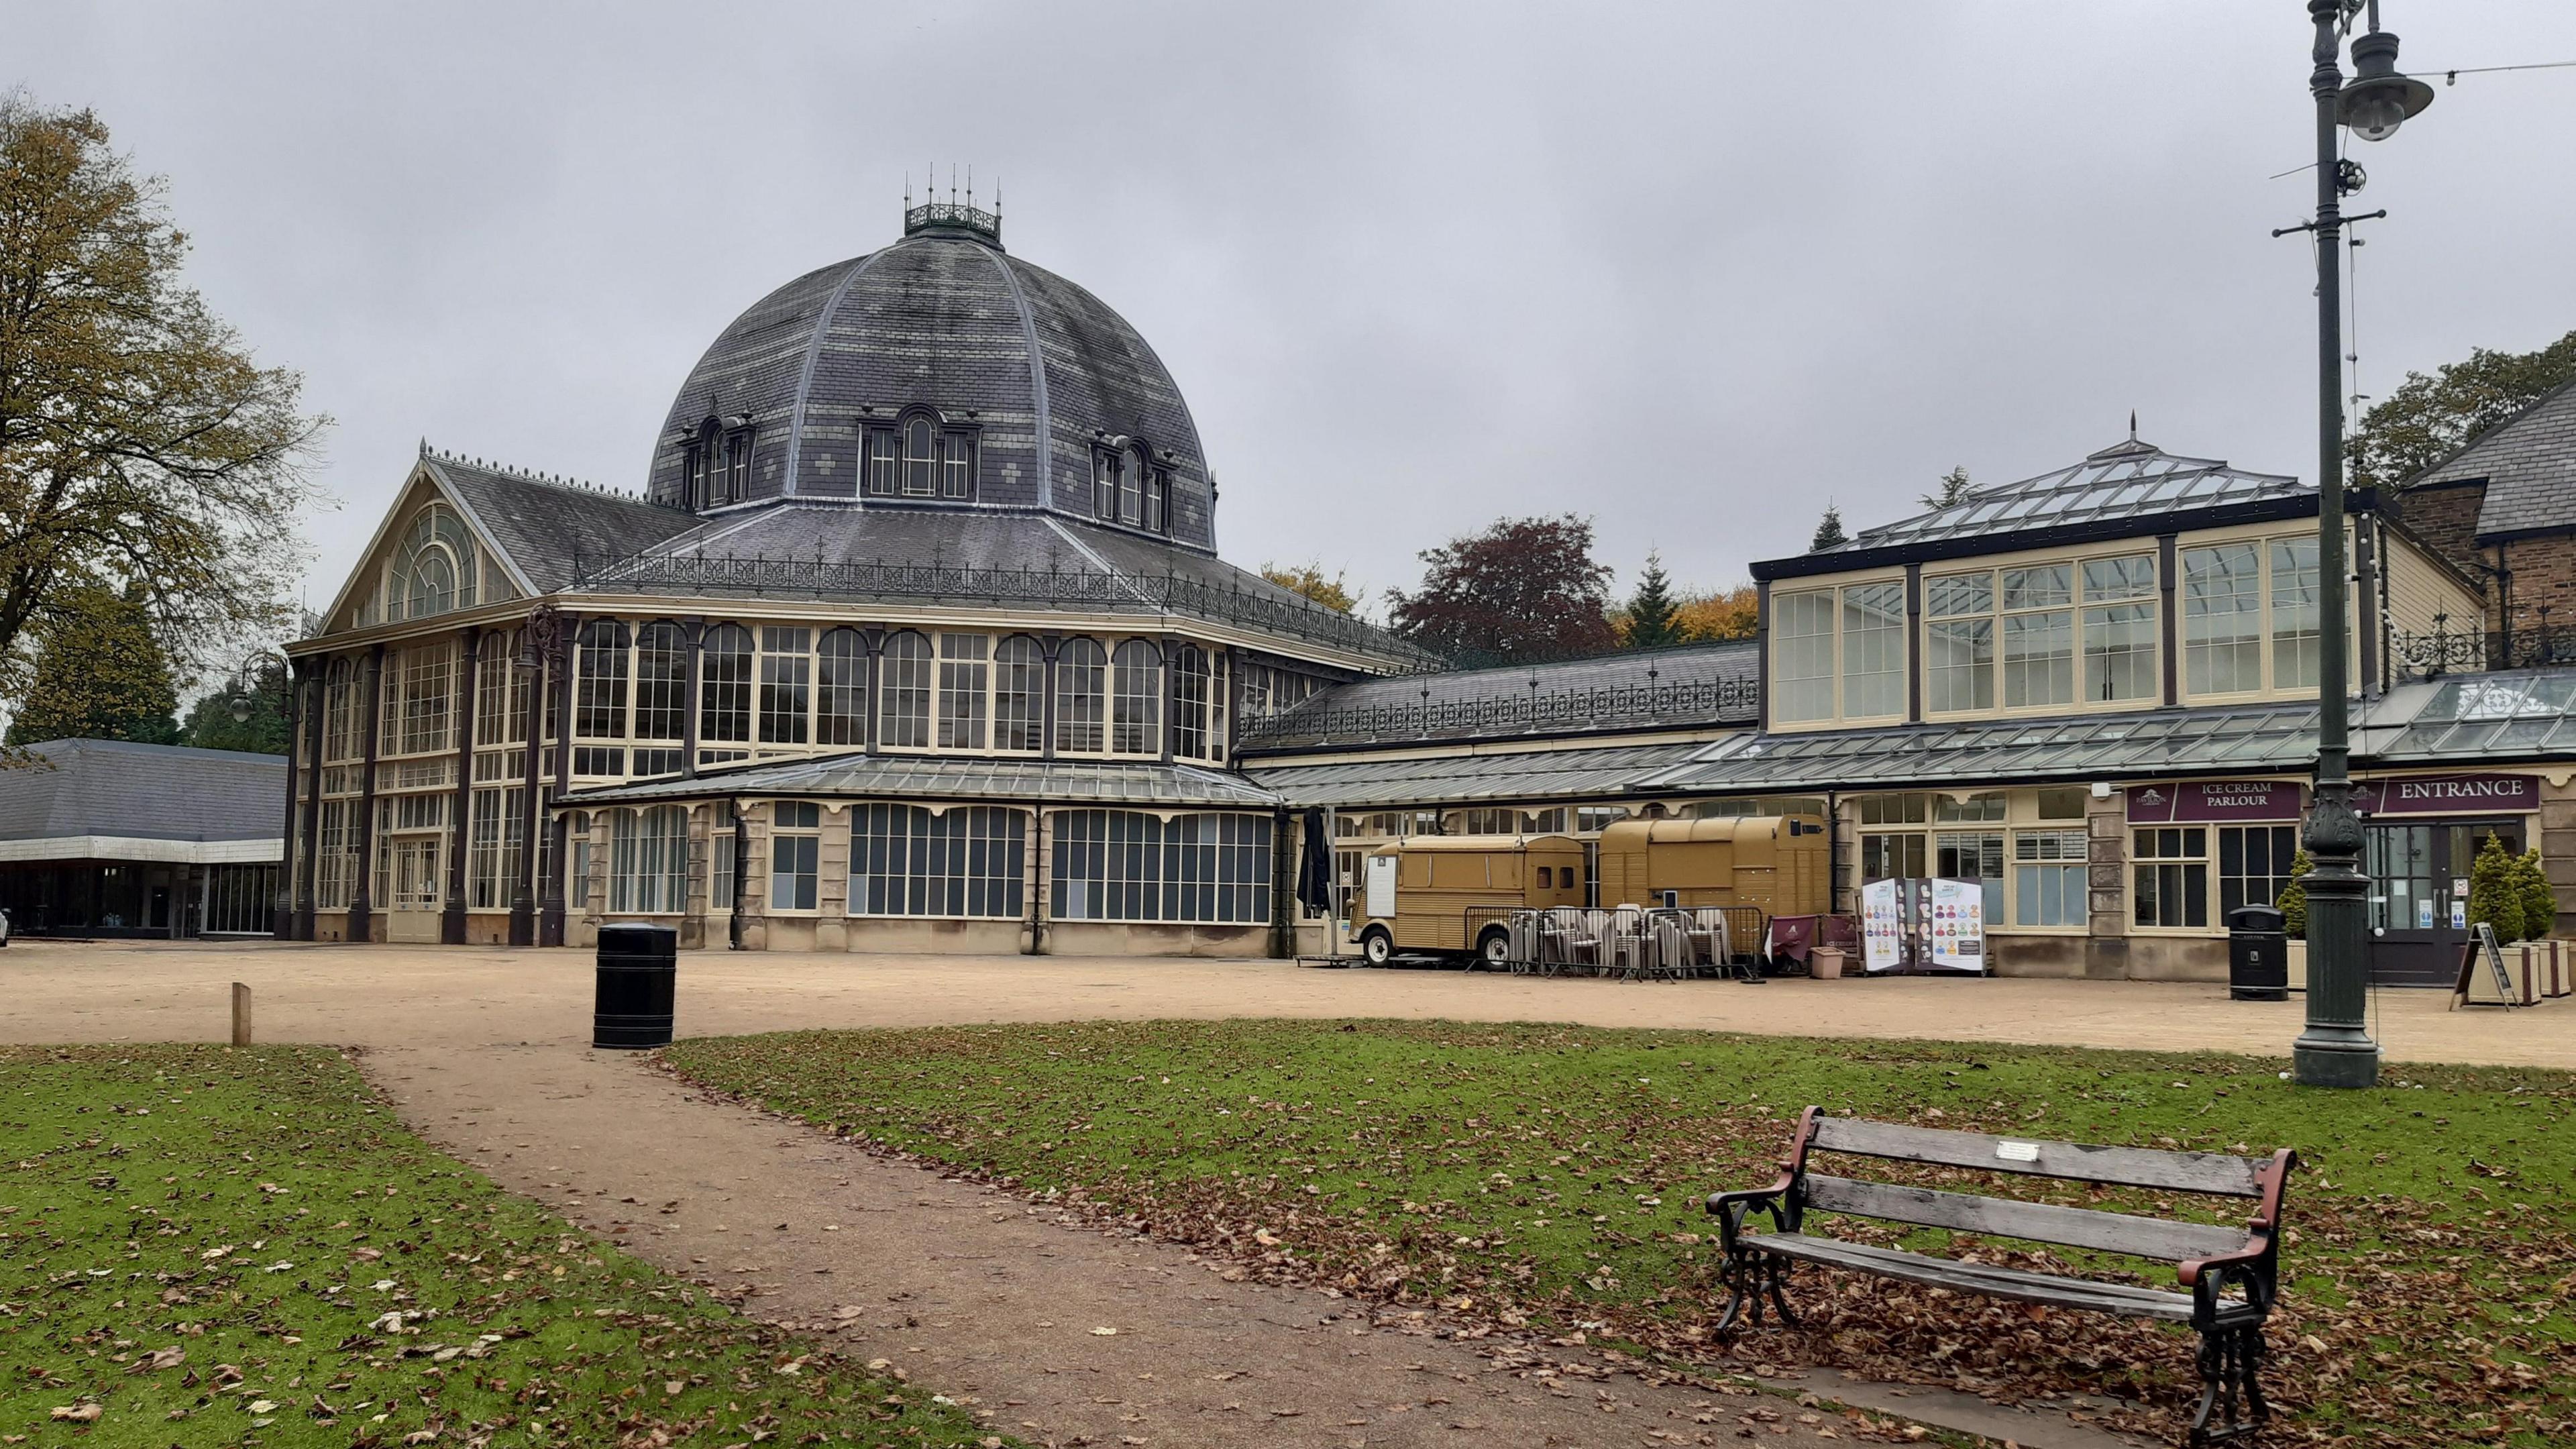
(2209, 1172)
(2038, 1222)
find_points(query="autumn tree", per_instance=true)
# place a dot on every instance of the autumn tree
(98, 674)
(1651, 619)
(141, 447)
(1949, 488)
(2429, 417)
(1308, 578)
(1829, 531)
(1525, 588)
(1725, 614)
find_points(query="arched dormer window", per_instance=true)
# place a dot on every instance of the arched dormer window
(1104, 485)
(920, 456)
(434, 568)
(716, 466)
(1128, 487)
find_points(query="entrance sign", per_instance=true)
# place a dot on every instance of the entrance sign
(2448, 795)
(2207, 802)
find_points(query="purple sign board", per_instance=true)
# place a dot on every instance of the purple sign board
(2447, 795)
(2210, 801)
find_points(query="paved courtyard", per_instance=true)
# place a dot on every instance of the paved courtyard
(420, 996)
(999, 1303)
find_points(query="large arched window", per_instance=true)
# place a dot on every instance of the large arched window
(433, 568)
(841, 689)
(1081, 689)
(724, 685)
(1138, 716)
(1190, 703)
(786, 680)
(904, 721)
(599, 690)
(661, 682)
(1019, 695)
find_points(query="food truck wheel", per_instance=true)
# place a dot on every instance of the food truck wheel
(1376, 945)
(1494, 948)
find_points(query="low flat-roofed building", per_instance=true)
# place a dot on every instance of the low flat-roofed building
(112, 838)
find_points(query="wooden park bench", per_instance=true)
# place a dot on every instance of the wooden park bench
(2212, 1260)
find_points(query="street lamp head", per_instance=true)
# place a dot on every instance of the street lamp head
(241, 708)
(2379, 99)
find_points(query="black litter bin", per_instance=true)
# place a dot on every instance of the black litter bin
(2258, 954)
(639, 964)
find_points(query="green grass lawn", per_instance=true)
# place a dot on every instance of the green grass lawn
(1551, 1177)
(207, 1246)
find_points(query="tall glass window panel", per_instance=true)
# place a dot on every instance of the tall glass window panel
(2222, 618)
(786, 675)
(1190, 703)
(1976, 856)
(2049, 878)
(2295, 613)
(1873, 650)
(918, 459)
(881, 462)
(1959, 643)
(841, 689)
(956, 466)
(965, 862)
(724, 685)
(501, 694)
(599, 691)
(2108, 580)
(1158, 500)
(1131, 489)
(2039, 659)
(2169, 876)
(1019, 695)
(1893, 854)
(661, 682)
(795, 854)
(903, 720)
(1802, 628)
(965, 671)
(423, 678)
(1104, 485)
(1081, 696)
(2120, 653)
(1137, 718)
(2254, 865)
(492, 864)
(648, 860)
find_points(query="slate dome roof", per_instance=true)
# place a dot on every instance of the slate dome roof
(942, 323)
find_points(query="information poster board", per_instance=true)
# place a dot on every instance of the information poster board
(1882, 925)
(2495, 988)
(1958, 926)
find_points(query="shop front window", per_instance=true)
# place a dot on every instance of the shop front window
(2169, 883)
(2048, 878)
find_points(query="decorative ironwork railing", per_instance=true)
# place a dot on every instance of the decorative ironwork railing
(1083, 588)
(2469, 651)
(1695, 701)
(949, 213)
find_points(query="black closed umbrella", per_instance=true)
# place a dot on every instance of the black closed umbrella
(1315, 867)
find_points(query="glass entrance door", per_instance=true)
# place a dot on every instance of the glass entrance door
(2418, 888)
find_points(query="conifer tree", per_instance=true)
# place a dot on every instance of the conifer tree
(99, 675)
(2294, 897)
(1951, 487)
(2539, 899)
(1652, 612)
(1829, 531)
(2492, 896)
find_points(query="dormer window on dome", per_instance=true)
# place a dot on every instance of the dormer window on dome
(921, 455)
(1129, 486)
(716, 462)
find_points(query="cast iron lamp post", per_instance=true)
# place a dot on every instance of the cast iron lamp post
(2335, 1050)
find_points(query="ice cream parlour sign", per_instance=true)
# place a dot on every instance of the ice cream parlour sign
(2205, 801)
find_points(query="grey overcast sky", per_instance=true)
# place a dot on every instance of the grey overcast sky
(1693, 270)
